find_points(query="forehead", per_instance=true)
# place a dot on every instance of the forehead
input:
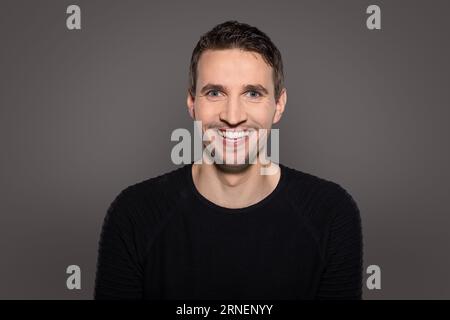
(233, 67)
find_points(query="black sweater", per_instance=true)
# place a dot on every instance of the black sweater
(161, 239)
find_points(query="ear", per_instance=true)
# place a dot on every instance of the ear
(190, 104)
(281, 103)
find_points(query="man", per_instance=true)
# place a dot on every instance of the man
(225, 230)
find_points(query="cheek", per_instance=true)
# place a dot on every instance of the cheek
(203, 113)
(262, 114)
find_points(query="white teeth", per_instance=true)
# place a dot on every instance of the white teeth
(233, 134)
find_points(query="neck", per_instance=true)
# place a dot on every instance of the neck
(234, 188)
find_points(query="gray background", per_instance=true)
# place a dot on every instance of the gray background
(86, 113)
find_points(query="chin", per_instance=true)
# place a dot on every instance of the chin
(232, 168)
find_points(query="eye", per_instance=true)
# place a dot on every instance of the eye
(254, 94)
(213, 93)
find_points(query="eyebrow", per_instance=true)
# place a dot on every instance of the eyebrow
(219, 87)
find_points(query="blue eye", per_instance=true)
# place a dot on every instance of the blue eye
(255, 92)
(215, 91)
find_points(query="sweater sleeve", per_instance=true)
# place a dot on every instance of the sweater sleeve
(119, 271)
(343, 273)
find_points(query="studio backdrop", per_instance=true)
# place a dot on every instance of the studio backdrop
(90, 92)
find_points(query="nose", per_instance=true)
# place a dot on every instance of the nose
(234, 113)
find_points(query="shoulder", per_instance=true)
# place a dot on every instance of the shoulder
(327, 209)
(317, 197)
(158, 188)
(149, 200)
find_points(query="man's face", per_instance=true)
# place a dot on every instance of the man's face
(234, 98)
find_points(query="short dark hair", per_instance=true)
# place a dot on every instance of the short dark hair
(232, 34)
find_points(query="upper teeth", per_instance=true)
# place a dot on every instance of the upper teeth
(233, 134)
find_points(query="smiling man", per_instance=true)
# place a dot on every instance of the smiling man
(232, 94)
(223, 230)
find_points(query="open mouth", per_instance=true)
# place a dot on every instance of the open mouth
(234, 137)
(229, 134)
